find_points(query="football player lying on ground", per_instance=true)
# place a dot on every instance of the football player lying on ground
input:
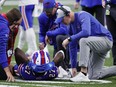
(38, 67)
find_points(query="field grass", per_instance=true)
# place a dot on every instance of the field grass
(108, 62)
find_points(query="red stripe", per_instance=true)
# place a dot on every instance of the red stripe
(42, 57)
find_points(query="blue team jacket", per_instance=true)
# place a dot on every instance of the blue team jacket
(45, 24)
(84, 25)
(90, 3)
(4, 34)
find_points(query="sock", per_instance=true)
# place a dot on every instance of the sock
(84, 73)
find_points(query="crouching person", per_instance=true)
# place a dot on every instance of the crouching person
(9, 23)
(93, 41)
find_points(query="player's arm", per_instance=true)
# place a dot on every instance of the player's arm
(42, 23)
(20, 56)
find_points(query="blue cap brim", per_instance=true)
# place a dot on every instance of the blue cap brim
(59, 20)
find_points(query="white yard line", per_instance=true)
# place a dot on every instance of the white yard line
(27, 84)
(63, 82)
(42, 83)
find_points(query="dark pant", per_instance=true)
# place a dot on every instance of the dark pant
(111, 24)
(59, 40)
(98, 11)
(2, 74)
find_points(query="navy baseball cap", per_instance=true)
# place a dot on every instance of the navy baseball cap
(48, 5)
(61, 14)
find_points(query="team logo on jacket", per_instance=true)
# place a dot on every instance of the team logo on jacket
(6, 35)
(40, 57)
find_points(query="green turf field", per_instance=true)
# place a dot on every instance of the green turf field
(56, 83)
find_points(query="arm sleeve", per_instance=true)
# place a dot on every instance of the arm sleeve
(4, 62)
(58, 31)
(3, 44)
(73, 53)
(85, 26)
(43, 30)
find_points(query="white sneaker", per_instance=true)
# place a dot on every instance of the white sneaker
(80, 77)
(62, 73)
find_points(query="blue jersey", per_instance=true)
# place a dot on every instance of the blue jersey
(25, 72)
(90, 3)
(84, 25)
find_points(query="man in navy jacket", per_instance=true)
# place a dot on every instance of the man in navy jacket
(8, 22)
(94, 7)
(111, 22)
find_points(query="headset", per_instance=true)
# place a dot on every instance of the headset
(66, 12)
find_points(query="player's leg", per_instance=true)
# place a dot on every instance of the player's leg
(20, 56)
(30, 34)
(22, 35)
(65, 62)
(28, 26)
(22, 38)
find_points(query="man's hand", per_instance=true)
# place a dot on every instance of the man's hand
(10, 77)
(74, 72)
(65, 43)
(41, 46)
(48, 40)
